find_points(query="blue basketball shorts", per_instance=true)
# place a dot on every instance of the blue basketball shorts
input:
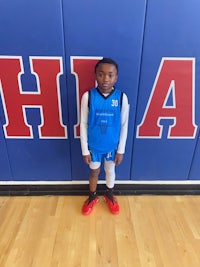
(108, 159)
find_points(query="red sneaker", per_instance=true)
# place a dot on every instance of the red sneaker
(113, 205)
(88, 206)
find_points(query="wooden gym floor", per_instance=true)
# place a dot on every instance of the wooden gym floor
(50, 231)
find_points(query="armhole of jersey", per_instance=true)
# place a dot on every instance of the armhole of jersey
(89, 99)
(121, 100)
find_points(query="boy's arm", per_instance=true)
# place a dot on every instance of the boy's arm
(124, 125)
(84, 124)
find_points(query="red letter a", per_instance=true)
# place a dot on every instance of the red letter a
(176, 76)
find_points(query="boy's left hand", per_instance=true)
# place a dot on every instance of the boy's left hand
(118, 158)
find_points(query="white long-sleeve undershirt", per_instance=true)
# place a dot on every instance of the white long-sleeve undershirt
(84, 124)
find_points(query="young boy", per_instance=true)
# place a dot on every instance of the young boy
(104, 125)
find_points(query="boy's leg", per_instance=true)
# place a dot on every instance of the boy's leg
(93, 180)
(109, 167)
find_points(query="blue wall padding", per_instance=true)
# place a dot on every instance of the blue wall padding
(139, 35)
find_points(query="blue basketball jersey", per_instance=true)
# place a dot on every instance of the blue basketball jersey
(104, 121)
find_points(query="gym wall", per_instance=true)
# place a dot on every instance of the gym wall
(48, 50)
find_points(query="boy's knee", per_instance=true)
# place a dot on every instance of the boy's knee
(109, 167)
(94, 172)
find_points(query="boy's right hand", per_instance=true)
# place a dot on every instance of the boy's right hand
(87, 159)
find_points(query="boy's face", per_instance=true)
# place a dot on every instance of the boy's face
(106, 76)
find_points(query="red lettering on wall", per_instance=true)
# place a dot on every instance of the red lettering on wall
(175, 76)
(47, 71)
(83, 69)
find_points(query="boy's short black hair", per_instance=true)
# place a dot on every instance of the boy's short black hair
(106, 60)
